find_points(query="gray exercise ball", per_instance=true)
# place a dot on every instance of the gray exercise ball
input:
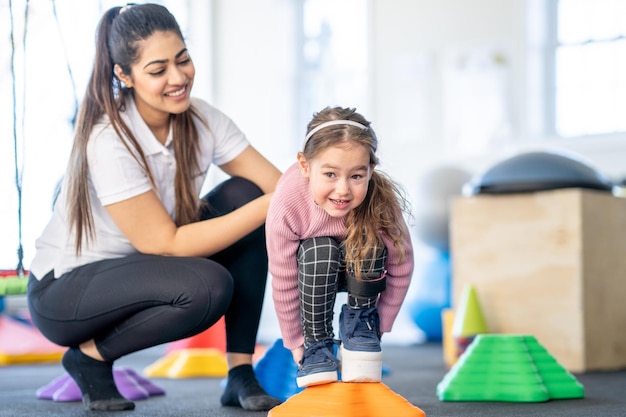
(537, 171)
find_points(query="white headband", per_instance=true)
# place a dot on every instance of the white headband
(331, 123)
(124, 8)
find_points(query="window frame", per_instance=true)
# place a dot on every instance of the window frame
(552, 45)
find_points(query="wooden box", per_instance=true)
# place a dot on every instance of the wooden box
(551, 264)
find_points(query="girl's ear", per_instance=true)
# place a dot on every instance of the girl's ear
(304, 165)
(123, 77)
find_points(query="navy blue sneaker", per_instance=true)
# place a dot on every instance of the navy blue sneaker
(360, 352)
(319, 365)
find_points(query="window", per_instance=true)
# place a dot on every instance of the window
(333, 56)
(589, 57)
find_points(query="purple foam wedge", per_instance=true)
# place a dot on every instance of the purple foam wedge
(134, 386)
(130, 384)
(62, 388)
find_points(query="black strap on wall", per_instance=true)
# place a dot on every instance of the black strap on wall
(19, 170)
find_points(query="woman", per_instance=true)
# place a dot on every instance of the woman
(132, 258)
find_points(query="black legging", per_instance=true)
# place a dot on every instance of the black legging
(138, 301)
(322, 274)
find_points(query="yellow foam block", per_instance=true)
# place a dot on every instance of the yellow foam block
(189, 363)
(30, 358)
(450, 355)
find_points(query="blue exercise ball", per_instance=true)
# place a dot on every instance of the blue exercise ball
(433, 295)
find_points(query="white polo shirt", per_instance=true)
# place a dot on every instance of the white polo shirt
(114, 175)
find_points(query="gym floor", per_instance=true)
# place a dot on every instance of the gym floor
(413, 373)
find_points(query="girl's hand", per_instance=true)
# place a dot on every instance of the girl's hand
(297, 354)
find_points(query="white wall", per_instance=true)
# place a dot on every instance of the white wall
(255, 81)
(254, 72)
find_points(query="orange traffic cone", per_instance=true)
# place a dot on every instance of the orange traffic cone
(213, 337)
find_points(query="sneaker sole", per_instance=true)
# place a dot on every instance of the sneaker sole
(316, 379)
(358, 366)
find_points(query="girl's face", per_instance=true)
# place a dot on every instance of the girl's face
(338, 177)
(161, 78)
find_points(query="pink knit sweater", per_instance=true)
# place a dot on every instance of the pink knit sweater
(292, 217)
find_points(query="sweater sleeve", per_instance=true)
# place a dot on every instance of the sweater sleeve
(283, 239)
(399, 274)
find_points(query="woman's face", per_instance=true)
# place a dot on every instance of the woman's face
(162, 77)
(338, 177)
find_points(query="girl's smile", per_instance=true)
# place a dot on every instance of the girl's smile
(338, 177)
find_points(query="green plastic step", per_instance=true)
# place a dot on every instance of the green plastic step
(514, 368)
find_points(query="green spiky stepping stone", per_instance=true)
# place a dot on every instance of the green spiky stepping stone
(513, 368)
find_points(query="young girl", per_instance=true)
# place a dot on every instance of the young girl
(132, 258)
(336, 224)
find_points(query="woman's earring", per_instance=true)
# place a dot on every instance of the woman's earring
(118, 74)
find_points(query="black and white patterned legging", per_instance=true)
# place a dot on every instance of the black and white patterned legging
(321, 275)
